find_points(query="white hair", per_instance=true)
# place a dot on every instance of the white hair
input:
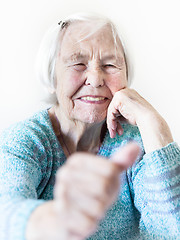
(50, 45)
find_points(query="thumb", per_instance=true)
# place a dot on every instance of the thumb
(126, 156)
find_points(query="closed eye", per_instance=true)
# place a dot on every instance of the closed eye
(109, 65)
(79, 67)
(80, 64)
(110, 68)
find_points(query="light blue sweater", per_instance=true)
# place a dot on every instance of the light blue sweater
(148, 206)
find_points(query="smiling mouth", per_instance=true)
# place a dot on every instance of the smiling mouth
(93, 99)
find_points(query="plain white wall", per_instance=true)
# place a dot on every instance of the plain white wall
(149, 27)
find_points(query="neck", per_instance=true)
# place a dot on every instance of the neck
(77, 135)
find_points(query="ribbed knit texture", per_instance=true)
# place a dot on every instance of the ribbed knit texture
(148, 205)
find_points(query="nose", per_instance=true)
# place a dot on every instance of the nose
(95, 78)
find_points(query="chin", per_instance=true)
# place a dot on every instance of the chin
(91, 118)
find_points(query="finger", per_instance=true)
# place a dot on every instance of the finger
(113, 122)
(60, 192)
(90, 163)
(112, 132)
(119, 129)
(91, 206)
(112, 119)
(112, 125)
(74, 236)
(90, 183)
(126, 156)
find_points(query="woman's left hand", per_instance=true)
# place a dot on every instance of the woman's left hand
(127, 103)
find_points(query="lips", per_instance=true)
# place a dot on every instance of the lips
(93, 99)
(96, 99)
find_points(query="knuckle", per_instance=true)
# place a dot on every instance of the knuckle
(112, 170)
(99, 209)
(89, 223)
(123, 93)
(87, 226)
(105, 185)
(108, 184)
(118, 94)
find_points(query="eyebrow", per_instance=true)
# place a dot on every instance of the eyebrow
(108, 57)
(119, 60)
(83, 57)
(75, 57)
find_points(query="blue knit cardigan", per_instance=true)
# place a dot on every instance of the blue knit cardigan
(148, 205)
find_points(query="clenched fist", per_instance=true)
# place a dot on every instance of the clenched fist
(86, 186)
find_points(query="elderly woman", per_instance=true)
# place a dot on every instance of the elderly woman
(85, 69)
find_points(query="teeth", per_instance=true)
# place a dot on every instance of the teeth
(93, 98)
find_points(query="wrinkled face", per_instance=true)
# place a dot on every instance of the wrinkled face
(88, 73)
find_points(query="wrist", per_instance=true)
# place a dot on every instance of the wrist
(44, 223)
(154, 131)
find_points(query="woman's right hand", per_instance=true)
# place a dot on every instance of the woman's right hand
(85, 188)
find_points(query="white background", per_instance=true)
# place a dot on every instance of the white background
(150, 28)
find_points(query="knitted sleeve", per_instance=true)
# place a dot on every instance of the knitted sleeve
(22, 163)
(156, 184)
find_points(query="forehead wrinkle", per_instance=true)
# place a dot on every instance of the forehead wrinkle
(75, 57)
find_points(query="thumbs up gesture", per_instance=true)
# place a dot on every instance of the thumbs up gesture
(86, 186)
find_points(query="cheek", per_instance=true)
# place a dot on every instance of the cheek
(76, 81)
(116, 82)
(72, 81)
